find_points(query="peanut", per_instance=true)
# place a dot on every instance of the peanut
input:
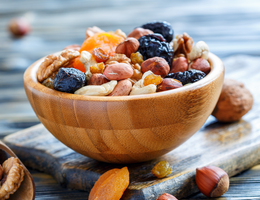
(122, 88)
(118, 71)
(97, 79)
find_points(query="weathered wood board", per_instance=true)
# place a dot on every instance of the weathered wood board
(233, 147)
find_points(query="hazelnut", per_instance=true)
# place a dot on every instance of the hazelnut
(19, 27)
(157, 65)
(234, 101)
(97, 79)
(139, 32)
(200, 64)
(179, 65)
(169, 84)
(212, 181)
(127, 47)
(166, 196)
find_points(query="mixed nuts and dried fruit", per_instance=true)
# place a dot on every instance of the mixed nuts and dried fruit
(212, 181)
(11, 176)
(146, 61)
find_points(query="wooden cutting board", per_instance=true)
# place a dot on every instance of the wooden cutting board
(233, 147)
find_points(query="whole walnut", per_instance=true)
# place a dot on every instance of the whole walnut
(235, 101)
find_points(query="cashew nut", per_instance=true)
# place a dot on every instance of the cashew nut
(139, 88)
(97, 90)
(200, 50)
(88, 60)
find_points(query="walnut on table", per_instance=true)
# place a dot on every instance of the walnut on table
(235, 101)
(53, 63)
(13, 175)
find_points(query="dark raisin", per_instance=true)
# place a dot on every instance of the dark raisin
(69, 80)
(162, 27)
(153, 45)
(185, 77)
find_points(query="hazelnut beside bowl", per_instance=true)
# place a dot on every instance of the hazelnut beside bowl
(125, 129)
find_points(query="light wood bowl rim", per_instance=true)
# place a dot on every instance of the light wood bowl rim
(30, 80)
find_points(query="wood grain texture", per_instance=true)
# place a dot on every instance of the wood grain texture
(234, 147)
(125, 129)
(27, 187)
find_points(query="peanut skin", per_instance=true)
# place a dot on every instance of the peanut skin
(97, 79)
(118, 71)
(122, 88)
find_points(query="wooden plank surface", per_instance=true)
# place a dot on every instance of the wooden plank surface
(228, 27)
(234, 147)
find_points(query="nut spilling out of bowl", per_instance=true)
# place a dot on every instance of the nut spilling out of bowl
(128, 128)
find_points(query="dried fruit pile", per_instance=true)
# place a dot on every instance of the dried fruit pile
(146, 61)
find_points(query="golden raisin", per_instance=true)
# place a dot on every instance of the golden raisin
(100, 55)
(152, 79)
(162, 169)
(136, 58)
(97, 68)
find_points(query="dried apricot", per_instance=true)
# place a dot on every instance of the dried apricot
(78, 65)
(111, 185)
(106, 41)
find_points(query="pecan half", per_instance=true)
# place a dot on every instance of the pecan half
(52, 63)
(13, 177)
(182, 44)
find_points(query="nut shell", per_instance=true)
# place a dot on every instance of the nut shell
(157, 65)
(234, 101)
(212, 181)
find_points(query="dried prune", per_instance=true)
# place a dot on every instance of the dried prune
(153, 45)
(69, 80)
(185, 77)
(162, 27)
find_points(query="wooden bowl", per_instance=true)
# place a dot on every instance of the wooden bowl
(125, 129)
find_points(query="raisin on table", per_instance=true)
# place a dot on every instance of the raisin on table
(185, 77)
(69, 80)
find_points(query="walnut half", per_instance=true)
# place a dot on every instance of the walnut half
(13, 175)
(52, 63)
